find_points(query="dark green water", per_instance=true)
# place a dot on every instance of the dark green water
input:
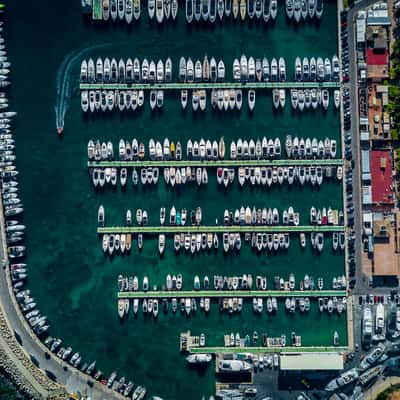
(71, 280)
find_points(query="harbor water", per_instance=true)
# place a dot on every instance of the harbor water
(71, 280)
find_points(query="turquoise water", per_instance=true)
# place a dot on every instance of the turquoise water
(74, 284)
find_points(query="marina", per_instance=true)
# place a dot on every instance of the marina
(70, 267)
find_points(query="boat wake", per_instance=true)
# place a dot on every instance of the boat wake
(64, 81)
(63, 86)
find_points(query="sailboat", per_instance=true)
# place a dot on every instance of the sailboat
(235, 8)
(258, 8)
(189, 11)
(228, 7)
(250, 8)
(136, 9)
(220, 8)
(274, 8)
(159, 11)
(212, 11)
(174, 9)
(204, 9)
(242, 9)
(151, 8)
(266, 10)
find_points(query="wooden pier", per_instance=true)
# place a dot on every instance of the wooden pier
(206, 85)
(163, 294)
(219, 229)
(215, 163)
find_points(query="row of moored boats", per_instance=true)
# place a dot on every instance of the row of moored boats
(220, 99)
(176, 177)
(230, 305)
(211, 150)
(308, 99)
(245, 215)
(243, 70)
(210, 10)
(224, 283)
(132, 100)
(13, 207)
(231, 242)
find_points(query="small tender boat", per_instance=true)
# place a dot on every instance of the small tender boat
(250, 8)
(161, 243)
(159, 11)
(251, 99)
(189, 11)
(220, 8)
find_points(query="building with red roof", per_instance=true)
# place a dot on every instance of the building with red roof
(381, 177)
(377, 58)
(377, 64)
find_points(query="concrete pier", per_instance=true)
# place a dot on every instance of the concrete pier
(230, 293)
(208, 85)
(216, 163)
(219, 229)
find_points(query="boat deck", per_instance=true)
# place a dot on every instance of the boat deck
(262, 349)
(97, 12)
(215, 163)
(151, 294)
(206, 85)
(218, 229)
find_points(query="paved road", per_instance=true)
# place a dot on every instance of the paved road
(361, 280)
(70, 377)
(75, 381)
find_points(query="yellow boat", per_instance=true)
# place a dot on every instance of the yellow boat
(221, 148)
(128, 242)
(242, 9)
(172, 149)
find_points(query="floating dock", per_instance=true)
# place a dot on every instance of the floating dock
(151, 294)
(215, 163)
(219, 229)
(206, 85)
(262, 349)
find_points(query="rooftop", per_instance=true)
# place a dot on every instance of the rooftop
(311, 361)
(386, 261)
(377, 62)
(376, 57)
(379, 128)
(381, 177)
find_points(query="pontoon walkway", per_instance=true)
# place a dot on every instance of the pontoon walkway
(218, 229)
(153, 294)
(215, 163)
(264, 349)
(208, 85)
